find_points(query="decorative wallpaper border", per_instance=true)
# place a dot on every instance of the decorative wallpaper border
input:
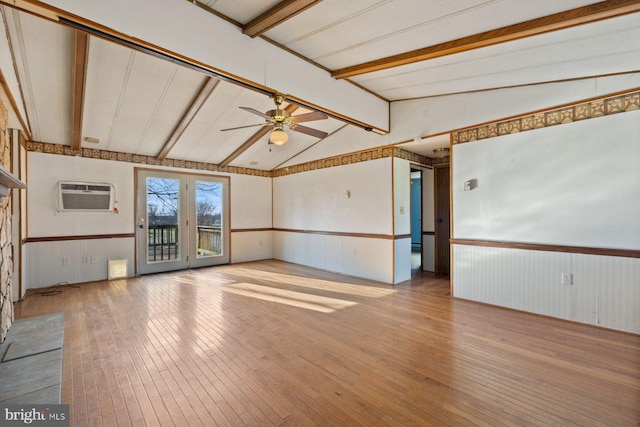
(345, 159)
(329, 162)
(586, 110)
(92, 153)
(360, 156)
(440, 161)
(412, 157)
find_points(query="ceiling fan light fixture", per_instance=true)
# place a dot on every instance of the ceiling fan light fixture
(279, 116)
(278, 137)
(441, 152)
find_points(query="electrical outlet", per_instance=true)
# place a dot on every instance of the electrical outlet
(567, 279)
(66, 261)
(85, 260)
(94, 259)
(260, 243)
(401, 210)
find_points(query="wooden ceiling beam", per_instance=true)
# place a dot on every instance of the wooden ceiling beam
(558, 21)
(278, 14)
(207, 89)
(24, 121)
(246, 145)
(253, 139)
(78, 80)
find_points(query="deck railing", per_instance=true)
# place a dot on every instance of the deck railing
(209, 240)
(163, 242)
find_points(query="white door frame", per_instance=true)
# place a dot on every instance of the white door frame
(185, 245)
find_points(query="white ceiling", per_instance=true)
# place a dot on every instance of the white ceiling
(133, 102)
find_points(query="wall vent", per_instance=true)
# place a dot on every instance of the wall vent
(85, 196)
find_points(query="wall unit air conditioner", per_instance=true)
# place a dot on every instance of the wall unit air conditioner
(76, 196)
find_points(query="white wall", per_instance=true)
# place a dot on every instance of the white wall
(402, 196)
(251, 246)
(23, 218)
(317, 201)
(314, 200)
(576, 184)
(44, 220)
(250, 202)
(250, 209)
(402, 219)
(50, 263)
(16, 216)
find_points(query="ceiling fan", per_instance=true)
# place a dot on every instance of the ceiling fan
(281, 119)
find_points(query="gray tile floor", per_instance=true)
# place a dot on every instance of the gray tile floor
(31, 360)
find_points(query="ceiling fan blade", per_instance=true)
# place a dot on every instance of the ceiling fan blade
(256, 112)
(309, 131)
(242, 127)
(309, 117)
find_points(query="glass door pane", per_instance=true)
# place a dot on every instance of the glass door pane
(208, 219)
(163, 213)
(209, 239)
(161, 221)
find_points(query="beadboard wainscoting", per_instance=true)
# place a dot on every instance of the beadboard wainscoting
(366, 257)
(550, 224)
(595, 289)
(73, 261)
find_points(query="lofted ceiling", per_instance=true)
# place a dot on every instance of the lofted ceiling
(82, 90)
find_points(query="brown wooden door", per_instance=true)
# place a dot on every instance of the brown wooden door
(441, 184)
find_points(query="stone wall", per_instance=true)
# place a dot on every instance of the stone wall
(6, 253)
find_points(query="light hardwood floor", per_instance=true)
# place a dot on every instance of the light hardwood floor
(271, 343)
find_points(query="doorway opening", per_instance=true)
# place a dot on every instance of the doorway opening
(416, 221)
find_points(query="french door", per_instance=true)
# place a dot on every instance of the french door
(182, 220)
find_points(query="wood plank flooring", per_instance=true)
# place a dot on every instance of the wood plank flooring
(272, 343)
